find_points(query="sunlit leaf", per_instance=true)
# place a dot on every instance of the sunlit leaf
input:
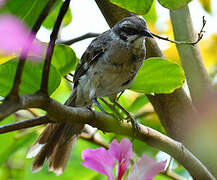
(62, 93)
(50, 20)
(151, 16)
(171, 4)
(139, 102)
(31, 77)
(4, 58)
(136, 6)
(158, 76)
(64, 59)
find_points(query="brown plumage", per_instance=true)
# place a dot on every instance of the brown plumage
(108, 66)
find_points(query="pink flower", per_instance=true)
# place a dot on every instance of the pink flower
(2, 2)
(146, 169)
(16, 37)
(99, 160)
(123, 153)
(103, 161)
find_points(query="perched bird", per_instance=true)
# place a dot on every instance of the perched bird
(107, 67)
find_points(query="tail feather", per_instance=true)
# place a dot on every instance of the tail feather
(55, 145)
(44, 145)
(60, 156)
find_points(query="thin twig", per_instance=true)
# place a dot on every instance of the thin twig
(95, 140)
(91, 136)
(17, 80)
(23, 124)
(68, 79)
(80, 38)
(14, 93)
(144, 114)
(200, 36)
(49, 53)
(32, 112)
(43, 15)
(173, 175)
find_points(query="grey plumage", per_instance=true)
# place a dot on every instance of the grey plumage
(108, 66)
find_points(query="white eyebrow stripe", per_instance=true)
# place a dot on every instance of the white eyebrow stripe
(124, 23)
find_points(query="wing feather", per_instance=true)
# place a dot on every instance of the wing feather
(95, 50)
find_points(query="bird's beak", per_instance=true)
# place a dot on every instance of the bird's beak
(147, 33)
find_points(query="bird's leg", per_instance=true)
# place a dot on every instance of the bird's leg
(133, 121)
(94, 100)
(116, 114)
(116, 100)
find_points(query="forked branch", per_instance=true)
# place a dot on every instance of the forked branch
(200, 36)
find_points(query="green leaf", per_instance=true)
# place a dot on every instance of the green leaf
(64, 59)
(18, 143)
(139, 102)
(26, 10)
(171, 4)
(136, 6)
(151, 16)
(158, 76)
(31, 77)
(50, 20)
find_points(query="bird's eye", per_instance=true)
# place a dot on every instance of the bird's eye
(129, 31)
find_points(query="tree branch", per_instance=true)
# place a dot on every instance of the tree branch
(197, 77)
(62, 113)
(44, 13)
(49, 53)
(80, 38)
(17, 80)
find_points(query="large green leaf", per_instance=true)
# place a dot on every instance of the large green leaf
(27, 10)
(171, 4)
(50, 20)
(136, 6)
(158, 76)
(31, 78)
(64, 59)
(151, 16)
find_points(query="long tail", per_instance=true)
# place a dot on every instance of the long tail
(55, 145)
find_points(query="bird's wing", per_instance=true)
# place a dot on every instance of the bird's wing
(92, 54)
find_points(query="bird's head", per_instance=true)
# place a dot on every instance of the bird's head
(131, 28)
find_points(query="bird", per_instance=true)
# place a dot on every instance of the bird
(108, 66)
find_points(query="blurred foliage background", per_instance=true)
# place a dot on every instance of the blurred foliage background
(14, 146)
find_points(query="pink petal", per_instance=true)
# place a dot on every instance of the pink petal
(146, 169)
(99, 160)
(122, 152)
(15, 36)
(2, 2)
